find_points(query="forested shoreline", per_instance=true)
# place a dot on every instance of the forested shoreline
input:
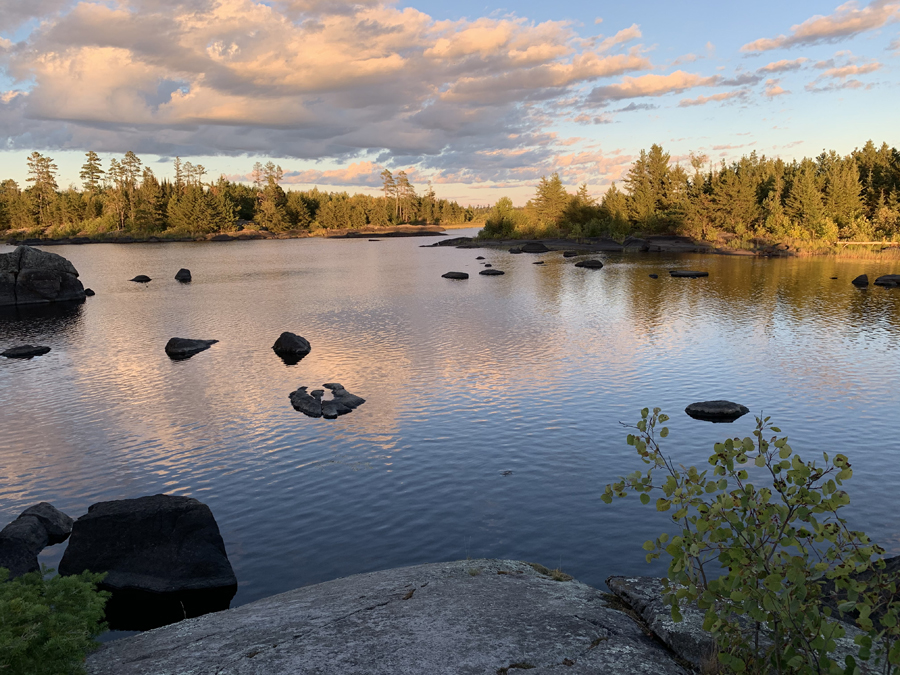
(126, 199)
(813, 202)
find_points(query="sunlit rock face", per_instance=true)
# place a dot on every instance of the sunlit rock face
(164, 558)
(29, 276)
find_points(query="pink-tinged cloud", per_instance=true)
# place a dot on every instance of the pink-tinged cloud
(773, 89)
(365, 174)
(715, 98)
(843, 72)
(846, 21)
(784, 65)
(633, 32)
(651, 85)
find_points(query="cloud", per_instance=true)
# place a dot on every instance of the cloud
(17, 12)
(634, 107)
(356, 81)
(894, 46)
(843, 72)
(715, 98)
(846, 21)
(783, 66)
(650, 85)
(774, 89)
(363, 174)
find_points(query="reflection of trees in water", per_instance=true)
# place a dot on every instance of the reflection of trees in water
(37, 322)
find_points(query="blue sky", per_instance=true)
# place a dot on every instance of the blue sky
(481, 99)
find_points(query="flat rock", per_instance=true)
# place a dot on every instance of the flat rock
(461, 618)
(654, 276)
(455, 275)
(534, 247)
(888, 280)
(716, 411)
(481, 257)
(163, 555)
(31, 276)
(312, 405)
(221, 237)
(515, 249)
(570, 254)
(862, 281)
(491, 273)
(89, 292)
(687, 274)
(24, 351)
(141, 279)
(183, 348)
(591, 264)
(454, 241)
(183, 275)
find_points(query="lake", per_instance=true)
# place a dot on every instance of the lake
(465, 381)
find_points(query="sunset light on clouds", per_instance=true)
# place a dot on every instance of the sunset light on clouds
(480, 99)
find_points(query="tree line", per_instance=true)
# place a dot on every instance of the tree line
(826, 199)
(126, 197)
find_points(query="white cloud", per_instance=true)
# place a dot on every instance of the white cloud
(715, 98)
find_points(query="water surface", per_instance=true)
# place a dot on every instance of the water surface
(529, 373)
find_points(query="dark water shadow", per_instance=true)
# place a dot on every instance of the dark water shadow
(30, 321)
(130, 609)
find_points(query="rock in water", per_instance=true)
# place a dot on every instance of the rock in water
(592, 264)
(491, 273)
(515, 250)
(30, 276)
(24, 352)
(455, 275)
(534, 247)
(141, 279)
(344, 396)
(861, 281)
(481, 257)
(291, 348)
(302, 401)
(183, 348)
(570, 254)
(888, 280)
(24, 538)
(89, 292)
(164, 557)
(654, 276)
(183, 275)
(716, 411)
(687, 274)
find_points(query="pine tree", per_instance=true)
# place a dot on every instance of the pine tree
(42, 172)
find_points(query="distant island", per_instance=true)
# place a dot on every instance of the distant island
(827, 204)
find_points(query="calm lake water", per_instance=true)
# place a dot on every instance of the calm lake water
(531, 372)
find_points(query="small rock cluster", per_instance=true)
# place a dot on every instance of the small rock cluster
(312, 405)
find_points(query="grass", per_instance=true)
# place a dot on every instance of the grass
(556, 575)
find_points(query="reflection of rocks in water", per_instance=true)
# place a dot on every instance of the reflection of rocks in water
(716, 411)
(311, 404)
(39, 323)
(164, 556)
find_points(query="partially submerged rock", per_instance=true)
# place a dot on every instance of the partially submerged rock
(89, 292)
(141, 279)
(465, 617)
(687, 274)
(861, 281)
(183, 275)
(164, 557)
(29, 276)
(888, 280)
(491, 273)
(312, 405)
(534, 247)
(184, 348)
(570, 254)
(24, 351)
(654, 276)
(455, 275)
(592, 264)
(716, 411)
(24, 538)
(291, 347)
(515, 249)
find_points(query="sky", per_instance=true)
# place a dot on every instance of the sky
(481, 99)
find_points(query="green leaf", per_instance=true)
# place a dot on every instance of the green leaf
(645, 498)
(760, 460)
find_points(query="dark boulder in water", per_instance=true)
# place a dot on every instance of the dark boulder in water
(534, 247)
(888, 280)
(312, 405)
(687, 274)
(183, 348)
(861, 281)
(291, 347)
(164, 558)
(89, 292)
(29, 276)
(654, 276)
(24, 538)
(716, 411)
(141, 279)
(455, 275)
(591, 264)
(491, 273)
(183, 275)
(24, 351)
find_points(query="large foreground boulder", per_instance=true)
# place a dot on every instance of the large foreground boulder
(164, 558)
(24, 538)
(184, 348)
(716, 411)
(471, 617)
(29, 276)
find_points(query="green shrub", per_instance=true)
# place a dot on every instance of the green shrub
(767, 563)
(48, 625)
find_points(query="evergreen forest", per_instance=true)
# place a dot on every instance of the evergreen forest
(126, 199)
(811, 201)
